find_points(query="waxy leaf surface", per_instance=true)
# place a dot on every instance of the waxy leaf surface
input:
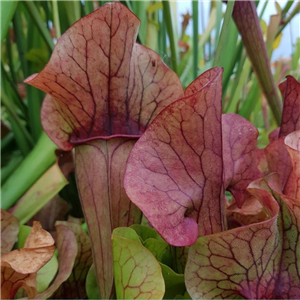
(137, 273)
(278, 160)
(239, 155)
(292, 143)
(288, 283)
(91, 285)
(102, 83)
(242, 262)
(9, 231)
(74, 287)
(290, 90)
(100, 167)
(174, 282)
(174, 173)
(19, 267)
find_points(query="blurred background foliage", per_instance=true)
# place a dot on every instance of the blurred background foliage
(190, 41)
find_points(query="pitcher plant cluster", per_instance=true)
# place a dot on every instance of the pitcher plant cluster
(223, 215)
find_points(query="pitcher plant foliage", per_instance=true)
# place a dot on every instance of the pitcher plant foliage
(105, 89)
(171, 171)
(178, 199)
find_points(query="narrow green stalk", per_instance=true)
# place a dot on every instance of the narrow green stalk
(263, 9)
(7, 11)
(286, 8)
(286, 21)
(163, 41)
(10, 59)
(47, 13)
(12, 92)
(32, 167)
(72, 9)
(6, 141)
(35, 15)
(223, 40)
(21, 141)
(33, 95)
(234, 99)
(250, 101)
(170, 30)
(218, 22)
(56, 18)
(195, 10)
(22, 136)
(20, 40)
(88, 7)
(237, 56)
(12, 165)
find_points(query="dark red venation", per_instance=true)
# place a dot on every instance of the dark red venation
(290, 90)
(102, 83)
(174, 173)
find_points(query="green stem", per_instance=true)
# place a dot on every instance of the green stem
(32, 167)
(286, 8)
(20, 40)
(56, 19)
(35, 15)
(224, 33)
(6, 141)
(263, 9)
(12, 92)
(286, 21)
(22, 136)
(195, 9)
(170, 30)
(88, 7)
(12, 165)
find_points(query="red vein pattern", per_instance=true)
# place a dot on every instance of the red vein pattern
(137, 273)
(100, 167)
(74, 287)
(239, 155)
(174, 172)
(242, 262)
(9, 231)
(292, 187)
(288, 284)
(19, 267)
(278, 160)
(290, 91)
(102, 83)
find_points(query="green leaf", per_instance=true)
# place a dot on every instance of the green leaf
(160, 250)
(126, 233)
(137, 273)
(7, 11)
(91, 285)
(174, 282)
(46, 274)
(23, 234)
(146, 232)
